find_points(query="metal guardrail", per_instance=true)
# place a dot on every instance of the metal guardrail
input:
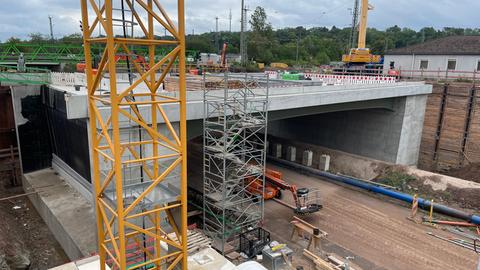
(439, 74)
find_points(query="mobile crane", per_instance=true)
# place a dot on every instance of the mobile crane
(274, 185)
(361, 55)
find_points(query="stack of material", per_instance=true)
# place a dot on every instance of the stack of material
(196, 83)
(320, 264)
(196, 240)
(333, 262)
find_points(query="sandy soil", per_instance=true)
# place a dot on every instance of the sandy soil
(372, 229)
(470, 172)
(24, 237)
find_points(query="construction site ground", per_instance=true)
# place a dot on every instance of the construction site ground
(25, 240)
(373, 229)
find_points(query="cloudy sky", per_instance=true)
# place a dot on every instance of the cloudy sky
(20, 17)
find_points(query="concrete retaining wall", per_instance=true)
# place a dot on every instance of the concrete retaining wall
(68, 215)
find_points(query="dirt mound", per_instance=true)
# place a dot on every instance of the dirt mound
(396, 176)
(470, 172)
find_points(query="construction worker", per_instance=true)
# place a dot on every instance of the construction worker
(21, 63)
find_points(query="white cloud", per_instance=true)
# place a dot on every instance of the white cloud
(19, 18)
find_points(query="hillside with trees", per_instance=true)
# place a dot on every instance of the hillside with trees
(296, 45)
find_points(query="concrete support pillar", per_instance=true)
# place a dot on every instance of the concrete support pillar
(291, 153)
(267, 148)
(324, 163)
(277, 150)
(307, 158)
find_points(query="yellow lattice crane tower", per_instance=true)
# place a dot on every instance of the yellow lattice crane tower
(138, 153)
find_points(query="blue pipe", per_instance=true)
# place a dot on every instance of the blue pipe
(422, 203)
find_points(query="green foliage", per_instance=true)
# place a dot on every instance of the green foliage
(36, 38)
(316, 46)
(259, 21)
(397, 179)
(73, 38)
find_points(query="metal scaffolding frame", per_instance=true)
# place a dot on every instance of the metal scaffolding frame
(235, 123)
(139, 166)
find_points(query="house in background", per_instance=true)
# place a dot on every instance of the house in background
(452, 57)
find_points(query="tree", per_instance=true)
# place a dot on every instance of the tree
(13, 40)
(258, 21)
(261, 38)
(322, 59)
(73, 38)
(36, 38)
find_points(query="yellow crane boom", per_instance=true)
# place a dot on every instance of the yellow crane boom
(361, 54)
(362, 30)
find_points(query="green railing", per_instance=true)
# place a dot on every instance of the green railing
(9, 74)
(62, 52)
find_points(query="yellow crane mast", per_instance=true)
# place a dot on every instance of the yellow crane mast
(138, 155)
(361, 54)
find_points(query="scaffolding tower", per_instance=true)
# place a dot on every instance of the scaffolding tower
(138, 154)
(235, 124)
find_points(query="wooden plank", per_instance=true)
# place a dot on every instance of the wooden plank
(319, 262)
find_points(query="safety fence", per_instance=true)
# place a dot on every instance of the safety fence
(422, 74)
(349, 79)
(332, 79)
(10, 75)
(68, 79)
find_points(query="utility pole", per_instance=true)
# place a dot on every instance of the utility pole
(217, 45)
(243, 45)
(230, 18)
(298, 45)
(296, 55)
(51, 27)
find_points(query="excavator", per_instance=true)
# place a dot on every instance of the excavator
(361, 56)
(274, 185)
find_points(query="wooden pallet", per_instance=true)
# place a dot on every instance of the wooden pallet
(196, 240)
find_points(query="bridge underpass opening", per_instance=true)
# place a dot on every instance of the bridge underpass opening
(391, 135)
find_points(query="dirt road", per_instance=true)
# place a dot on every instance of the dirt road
(372, 229)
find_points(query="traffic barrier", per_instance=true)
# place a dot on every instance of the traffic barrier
(349, 79)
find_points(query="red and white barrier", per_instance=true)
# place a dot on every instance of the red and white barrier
(271, 74)
(331, 79)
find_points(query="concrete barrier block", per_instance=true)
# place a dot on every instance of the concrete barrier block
(277, 150)
(291, 153)
(307, 158)
(324, 163)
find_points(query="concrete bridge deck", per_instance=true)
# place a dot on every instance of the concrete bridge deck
(381, 121)
(299, 100)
